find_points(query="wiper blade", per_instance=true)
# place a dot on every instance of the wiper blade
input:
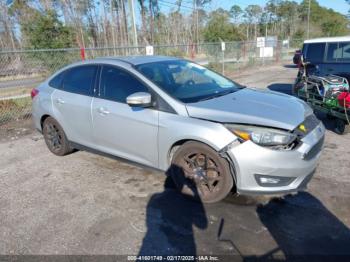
(218, 95)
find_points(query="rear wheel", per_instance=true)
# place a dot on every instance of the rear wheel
(55, 138)
(198, 171)
(341, 127)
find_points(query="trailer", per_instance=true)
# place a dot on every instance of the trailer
(341, 115)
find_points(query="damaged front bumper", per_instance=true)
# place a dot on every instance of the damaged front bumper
(260, 170)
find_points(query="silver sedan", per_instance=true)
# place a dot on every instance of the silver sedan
(210, 134)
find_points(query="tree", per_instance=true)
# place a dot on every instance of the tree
(219, 28)
(281, 18)
(99, 23)
(46, 31)
(143, 11)
(7, 35)
(236, 13)
(323, 21)
(334, 27)
(253, 15)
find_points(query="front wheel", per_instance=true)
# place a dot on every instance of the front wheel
(198, 171)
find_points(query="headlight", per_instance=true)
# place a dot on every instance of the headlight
(261, 135)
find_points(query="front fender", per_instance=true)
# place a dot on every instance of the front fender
(174, 128)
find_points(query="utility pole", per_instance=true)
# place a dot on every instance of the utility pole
(197, 30)
(132, 14)
(308, 20)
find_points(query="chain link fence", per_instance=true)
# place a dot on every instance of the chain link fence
(22, 70)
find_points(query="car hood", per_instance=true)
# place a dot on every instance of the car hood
(255, 107)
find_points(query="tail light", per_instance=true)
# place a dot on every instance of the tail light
(34, 92)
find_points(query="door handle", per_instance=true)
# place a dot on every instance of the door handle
(60, 101)
(103, 111)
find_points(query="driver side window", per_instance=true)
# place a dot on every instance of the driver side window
(185, 74)
(117, 84)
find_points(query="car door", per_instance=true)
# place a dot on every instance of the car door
(119, 129)
(72, 103)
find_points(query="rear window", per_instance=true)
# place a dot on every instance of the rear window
(315, 52)
(80, 79)
(338, 52)
(56, 82)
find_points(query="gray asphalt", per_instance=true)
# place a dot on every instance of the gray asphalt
(27, 82)
(89, 204)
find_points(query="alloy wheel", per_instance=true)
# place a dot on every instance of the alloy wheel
(202, 174)
(54, 137)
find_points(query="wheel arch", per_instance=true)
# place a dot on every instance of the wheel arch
(42, 119)
(45, 116)
(176, 145)
(221, 153)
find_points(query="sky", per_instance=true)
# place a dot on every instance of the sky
(338, 5)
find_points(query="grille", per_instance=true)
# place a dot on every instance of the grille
(314, 150)
(310, 123)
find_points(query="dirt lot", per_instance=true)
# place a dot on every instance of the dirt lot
(88, 204)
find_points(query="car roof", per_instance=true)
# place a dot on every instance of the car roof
(328, 39)
(130, 60)
(137, 60)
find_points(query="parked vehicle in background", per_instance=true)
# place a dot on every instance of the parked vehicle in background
(297, 57)
(209, 133)
(329, 55)
(328, 94)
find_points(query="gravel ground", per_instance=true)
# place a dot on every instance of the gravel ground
(89, 204)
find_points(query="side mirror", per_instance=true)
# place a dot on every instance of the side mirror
(140, 99)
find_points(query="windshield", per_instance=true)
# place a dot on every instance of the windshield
(186, 81)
